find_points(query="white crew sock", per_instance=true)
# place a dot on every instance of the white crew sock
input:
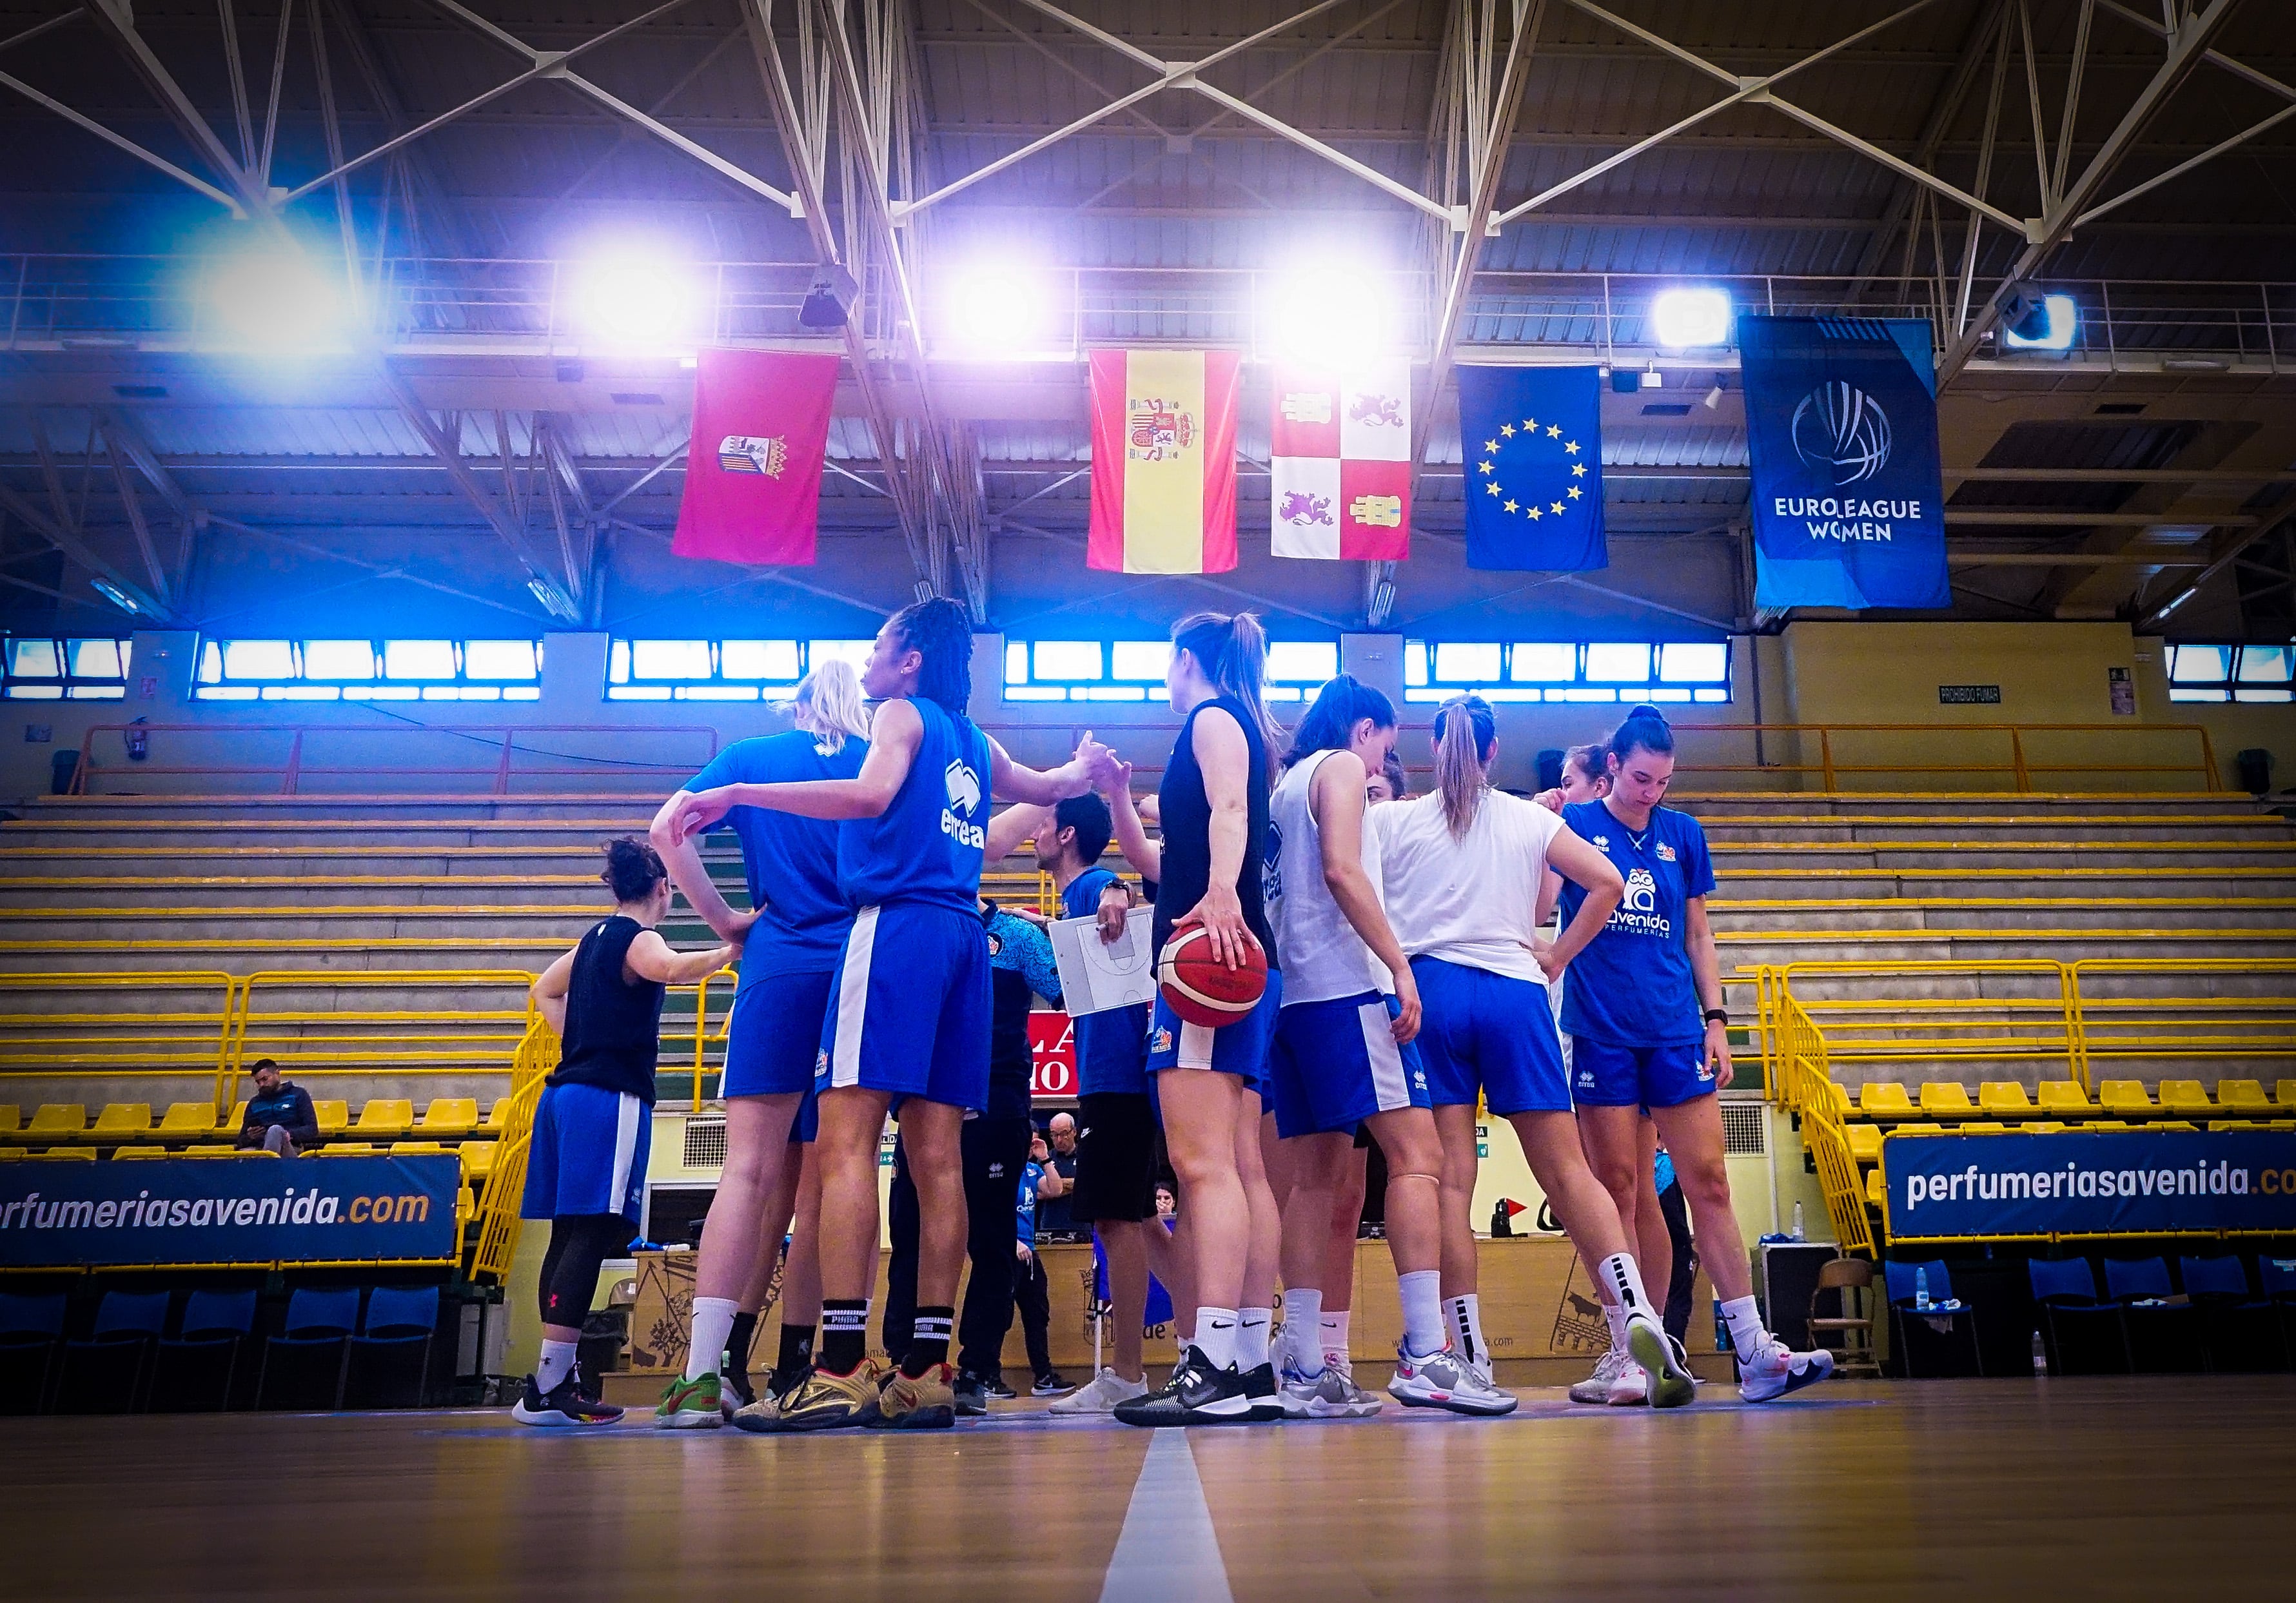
(1252, 1326)
(1334, 1329)
(556, 1363)
(1422, 1291)
(1625, 1280)
(1215, 1337)
(1617, 1317)
(1464, 1315)
(713, 1327)
(1301, 1347)
(1744, 1315)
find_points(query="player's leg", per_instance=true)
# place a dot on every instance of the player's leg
(772, 1232)
(904, 1225)
(1684, 1280)
(1333, 1327)
(1115, 1194)
(1032, 1295)
(1450, 1048)
(1592, 1200)
(1315, 1160)
(840, 1385)
(995, 1151)
(578, 1245)
(1255, 1328)
(801, 1278)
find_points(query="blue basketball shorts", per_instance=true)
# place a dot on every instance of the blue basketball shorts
(1490, 1034)
(1240, 1048)
(909, 1008)
(588, 1154)
(773, 1043)
(1335, 1064)
(1605, 1075)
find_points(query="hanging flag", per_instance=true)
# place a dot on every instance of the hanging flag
(1848, 500)
(1163, 461)
(1532, 448)
(753, 468)
(1339, 464)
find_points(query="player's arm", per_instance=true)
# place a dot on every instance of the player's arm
(1588, 868)
(1223, 757)
(650, 958)
(1336, 797)
(1550, 892)
(894, 738)
(1706, 973)
(1009, 781)
(681, 855)
(1032, 948)
(550, 990)
(1009, 828)
(1145, 856)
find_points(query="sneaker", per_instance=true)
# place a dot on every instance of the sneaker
(1297, 1391)
(1196, 1394)
(925, 1401)
(1259, 1387)
(1356, 1402)
(690, 1405)
(1663, 1361)
(825, 1401)
(1596, 1387)
(1775, 1372)
(1050, 1384)
(1101, 1394)
(562, 1404)
(1445, 1381)
(971, 1393)
(735, 1391)
(1328, 1395)
(993, 1386)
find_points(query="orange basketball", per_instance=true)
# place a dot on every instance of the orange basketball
(1199, 987)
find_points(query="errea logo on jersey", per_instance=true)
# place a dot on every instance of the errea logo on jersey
(963, 801)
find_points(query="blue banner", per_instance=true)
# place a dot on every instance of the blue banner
(2091, 1183)
(315, 1210)
(1849, 500)
(1532, 446)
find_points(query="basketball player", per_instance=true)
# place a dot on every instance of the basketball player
(1648, 1030)
(908, 1028)
(1463, 866)
(585, 1163)
(1213, 811)
(791, 864)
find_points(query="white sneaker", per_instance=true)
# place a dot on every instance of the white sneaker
(1662, 1361)
(1596, 1387)
(1357, 1404)
(1445, 1381)
(1630, 1387)
(1101, 1394)
(1774, 1371)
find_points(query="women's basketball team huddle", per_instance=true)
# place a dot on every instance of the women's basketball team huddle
(1414, 969)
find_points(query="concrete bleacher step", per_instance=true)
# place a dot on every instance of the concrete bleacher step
(2054, 880)
(2099, 826)
(1740, 804)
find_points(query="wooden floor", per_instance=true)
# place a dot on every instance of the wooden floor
(1937, 1489)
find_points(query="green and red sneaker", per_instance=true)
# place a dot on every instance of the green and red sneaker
(690, 1405)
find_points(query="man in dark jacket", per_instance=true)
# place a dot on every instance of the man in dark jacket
(280, 1117)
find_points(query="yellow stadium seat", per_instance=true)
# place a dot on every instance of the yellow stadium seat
(2175, 1124)
(449, 1118)
(1841, 1094)
(1917, 1129)
(2221, 1124)
(2125, 1096)
(140, 1152)
(1945, 1098)
(87, 1153)
(11, 1152)
(12, 1118)
(210, 1149)
(2005, 1098)
(1885, 1100)
(57, 1119)
(237, 1119)
(2065, 1097)
(478, 1160)
(386, 1118)
(2186, 1096)
(2283, 1092)
(1865, 1143)
(1876, 1192)
(186, 1119)
(2108, 1124)
(2044, 1127)
(347, 1149)
(498, 1110)
(123, 1119)
(333, 1117)
(2245, 1096)
(1982, 1126)
(398, 1146)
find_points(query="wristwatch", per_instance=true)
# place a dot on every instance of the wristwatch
(1718, 1015)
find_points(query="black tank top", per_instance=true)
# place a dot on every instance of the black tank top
(614, 1027)
(1186, 813)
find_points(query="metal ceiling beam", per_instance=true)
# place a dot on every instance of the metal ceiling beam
(144, 603)
(116, 20)
(1971, 59)
(2224, 559)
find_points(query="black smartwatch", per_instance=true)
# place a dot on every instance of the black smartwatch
(1718, 1015)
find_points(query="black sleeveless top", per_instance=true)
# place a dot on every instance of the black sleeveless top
(613, 1028)
(1186, 812)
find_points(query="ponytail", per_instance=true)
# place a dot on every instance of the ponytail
(632, 868)
(941, 631)
(1342, 705)
(829, 706)
(1231, 649)
(1465, 734)
(1644, 730)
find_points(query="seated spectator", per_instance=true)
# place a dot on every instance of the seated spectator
(280, 1117)
(1060, 1179)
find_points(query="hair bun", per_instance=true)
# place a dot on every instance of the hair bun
(1646, 710)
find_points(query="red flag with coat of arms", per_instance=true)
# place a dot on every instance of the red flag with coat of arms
(753, 469)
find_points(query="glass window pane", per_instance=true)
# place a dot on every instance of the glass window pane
(114, 693)
(1415, 661)
(1711, 695)
(669, 659)
(498, 659)
(2196, 693)
(2258, 664)
(1694, 662)
(211, 662)
(1016, 662)
(95, 659)
(40, 693)
(2199, 664)
(1139, 659)
(338, 658)
(257, 660)
(34, 659)
(418, 659)
(1664, 693)
(617, 662)
(1110, 693)
(1034, 692)
(1544, 662)
(1303, 661)
(1466, 661)
(773, 659)
(1058, 660)
(1583, 695)
(126, 657)
(1618, 663)
(856, 652)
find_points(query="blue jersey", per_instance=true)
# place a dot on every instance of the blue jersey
(1111, 1047)
(789, 862)
(1632, 986)
(927, 846)
(1024, 1211)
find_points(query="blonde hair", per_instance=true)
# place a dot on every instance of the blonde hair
(1465, 731)
(1231, 650)
(829, 706)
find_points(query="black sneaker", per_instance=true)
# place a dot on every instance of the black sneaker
(1259, 1388)
(1196, 1394)
(1050, 1384)
(971, 1393)
(562, 1404)
(737, 1388)
(994, 1386)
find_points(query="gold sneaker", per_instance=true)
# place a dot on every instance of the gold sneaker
(824, 1401)
(763, 1415)
(926, 1401)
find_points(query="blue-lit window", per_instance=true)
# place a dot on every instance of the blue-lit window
(2231, 673)
(718, 670)
(369, 671)
(1133, 670)
(1560, 671)
(41, 668)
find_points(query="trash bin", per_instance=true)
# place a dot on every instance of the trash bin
(2254, 766)
(63, 767)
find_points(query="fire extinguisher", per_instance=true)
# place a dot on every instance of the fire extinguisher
(139, 742)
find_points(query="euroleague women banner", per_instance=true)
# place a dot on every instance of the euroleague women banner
(1849, 500)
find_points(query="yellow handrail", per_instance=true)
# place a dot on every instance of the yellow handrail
(496, 1242)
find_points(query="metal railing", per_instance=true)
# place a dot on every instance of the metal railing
(1801, 1082)
(189, 1039)
(494, 1244)
(393, 1042)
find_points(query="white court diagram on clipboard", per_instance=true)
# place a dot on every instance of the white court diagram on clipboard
(1096, 975)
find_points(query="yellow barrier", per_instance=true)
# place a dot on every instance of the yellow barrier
(496, 1244)
(188, 1042)
(397, 1041)
(1803, 1083)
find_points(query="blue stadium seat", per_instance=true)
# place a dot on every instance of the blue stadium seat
(2164, 1338)
(1927, 1346)
(390, 1362)
(311, 1352)
(31, 1332)
(105, 1373)
(2080, 1333)
(194, 1368)
(2240, 1331)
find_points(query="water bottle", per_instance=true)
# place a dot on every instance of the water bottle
(1922, 1290)
(1798, 1236)
(2040, 1355)
(1721, 1328)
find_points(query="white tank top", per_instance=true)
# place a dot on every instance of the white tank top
(1323, 956)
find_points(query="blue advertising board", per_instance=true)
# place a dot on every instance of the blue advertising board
(177, 1211)
(2090, 1183)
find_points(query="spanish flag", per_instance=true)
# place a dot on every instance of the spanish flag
(1163, 461)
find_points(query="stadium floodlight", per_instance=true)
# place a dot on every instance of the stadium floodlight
(1691, 315)
(993, 310)
(1329, 317)
(634, 300)
(2046, 323)
(278, 299)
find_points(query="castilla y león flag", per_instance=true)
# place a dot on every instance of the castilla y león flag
(753, 471)
(1163, 461)
(1339, 463)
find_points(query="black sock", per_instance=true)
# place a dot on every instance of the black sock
(738, 1343)
(844, 1334)
(928, 1341)
(797, 1350)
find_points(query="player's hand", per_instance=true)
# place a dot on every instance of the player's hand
(1550, 800)
(1021, 1251)
(1718, 1054)
(1116, 776)
(1093, 760)
(702, 810)
(1405, 1024)
(1115, 908)
(1222, 915)
(1029, 915)
(1542, 952)
(737, 931)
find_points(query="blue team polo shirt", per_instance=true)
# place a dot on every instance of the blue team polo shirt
(1632, 986)
(791, 863)
(1111, 1047)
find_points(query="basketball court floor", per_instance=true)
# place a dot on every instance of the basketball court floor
(2070, 1488)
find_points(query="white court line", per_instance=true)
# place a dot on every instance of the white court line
(1168, 1548)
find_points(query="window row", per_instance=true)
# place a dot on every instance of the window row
(718, 670)
(369, 671)
(2231, 673)
(1562, 670)
(39, 668)
(1133, 670)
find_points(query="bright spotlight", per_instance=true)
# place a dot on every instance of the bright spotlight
(2053, 328)
(1685, 318)
(634, 302)
(1329, 317)
(280, 300)
(993, 311)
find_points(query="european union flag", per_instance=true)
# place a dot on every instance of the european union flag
(1533, 440)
